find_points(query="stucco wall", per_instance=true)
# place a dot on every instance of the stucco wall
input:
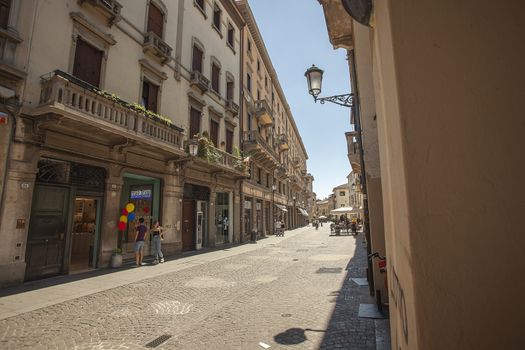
(449, 87)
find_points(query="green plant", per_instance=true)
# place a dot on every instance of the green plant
(207, 150)
(238, 162)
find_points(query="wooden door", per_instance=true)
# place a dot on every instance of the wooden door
(188, 225)
(47, 232)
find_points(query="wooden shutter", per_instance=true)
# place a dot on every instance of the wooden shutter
(88, 62)
(155, 20)
(195, 122)
(5, 8)
(229, 90)
(229, 140)
(214, 132)
(215, 73)
(230, 35)
(197, 59)
(153, 98)
(217, 17)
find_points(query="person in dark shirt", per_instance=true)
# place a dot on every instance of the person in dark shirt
(140, 235)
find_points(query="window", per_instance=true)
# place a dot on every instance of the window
(265, 81)
(217, 17)
(229, 90)
(267, 180)
(214, 132)
(249, 121)
(155, 20)
(200, 3)
(249, 82)
(231, 36)
(150, 93)
(197, 59)
(229, 140)
(195, 122)
(5, 8)
(249, 48)
(215, 75)
(273, 97)
(258, 65)
(259, 175)
(88, 62)
(342, 193)
(258, 95)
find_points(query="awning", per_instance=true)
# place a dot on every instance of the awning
(282, 207)
(303, 212)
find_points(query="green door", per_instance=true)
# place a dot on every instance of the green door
(47, 232)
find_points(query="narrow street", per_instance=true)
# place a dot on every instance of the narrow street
(290, 293)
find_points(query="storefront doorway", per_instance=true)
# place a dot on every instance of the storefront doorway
(202, 214)
(222, 217)
(84, 235)
(188, 225)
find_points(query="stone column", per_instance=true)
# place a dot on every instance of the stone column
(212, 226)
(236, 217)
(110, 218)
(172, 192)
(15, 213)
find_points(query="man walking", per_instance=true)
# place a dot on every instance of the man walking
(140, 235)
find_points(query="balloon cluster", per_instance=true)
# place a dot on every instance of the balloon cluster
(127, 215)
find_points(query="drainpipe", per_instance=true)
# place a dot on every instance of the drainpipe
(11, 120)
(357, 115)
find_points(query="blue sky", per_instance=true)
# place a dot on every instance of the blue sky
(294, 32)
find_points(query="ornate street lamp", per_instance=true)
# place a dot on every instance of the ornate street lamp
(314, 77)
(193, 147)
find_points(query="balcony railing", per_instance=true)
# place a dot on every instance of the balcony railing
(282, 142)
(109, 8)
(254, 137)
(154, 45)
(281, 172)
(65, 94)
(199, 80)
(263, 113)
(221, 159)
(232, 107)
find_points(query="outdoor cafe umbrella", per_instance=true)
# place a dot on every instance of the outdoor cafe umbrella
(342, 210)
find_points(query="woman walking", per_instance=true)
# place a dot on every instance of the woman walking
(158, 236)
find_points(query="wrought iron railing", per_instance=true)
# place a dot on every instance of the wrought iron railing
(255, 137)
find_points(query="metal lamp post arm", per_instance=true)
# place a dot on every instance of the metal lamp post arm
(346, 100)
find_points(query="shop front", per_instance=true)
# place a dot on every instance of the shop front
(223, 217)
(64, 226)
(194, 217)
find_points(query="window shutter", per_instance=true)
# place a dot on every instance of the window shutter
(214, 132)
(88, 62)
(229, 141)
(229, 90)
(153, 98)
(155, 20)
(195, 122)
(215, 73)
(5, 8)
(197, 59)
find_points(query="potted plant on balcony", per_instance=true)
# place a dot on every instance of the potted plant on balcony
(239, 162)
(207, 150)
(116, 258)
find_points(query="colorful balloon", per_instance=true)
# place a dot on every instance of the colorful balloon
(146, 210)
(124, 219)
(130, 207)
(124, 211)
(121, 226)
(131, 216)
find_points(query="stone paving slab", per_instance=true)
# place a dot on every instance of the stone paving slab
(269, 292)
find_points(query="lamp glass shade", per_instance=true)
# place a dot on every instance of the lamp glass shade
(314, 77)
(193, 147)
(274, 187)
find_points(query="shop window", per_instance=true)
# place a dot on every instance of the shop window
(88, 63)
(195, 122)
(155, 20)
(197, 57)
(222, 217)
(214, 132)
(5, 8)
(150, 94)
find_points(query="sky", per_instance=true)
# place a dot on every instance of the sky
(295, 35)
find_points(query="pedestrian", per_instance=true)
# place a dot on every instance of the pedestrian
(278, 227)
(140, 235)
(158, 236)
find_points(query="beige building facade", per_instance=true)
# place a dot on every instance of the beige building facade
(342, 196)
(444, 82)
(280, 187)
(109, 95)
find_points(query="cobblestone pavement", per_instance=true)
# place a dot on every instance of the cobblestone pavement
(293, 294)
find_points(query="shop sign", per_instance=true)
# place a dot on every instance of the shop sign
(141, 194)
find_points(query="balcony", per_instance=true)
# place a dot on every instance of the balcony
(255, 145)
(232, 107)
(281, 172)
(219, 161)
(198, 80)
(155, 46)
(263, 113)
(296, 162)
(107, 8)
(282, 143)
(86, 112)
(354, 153)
